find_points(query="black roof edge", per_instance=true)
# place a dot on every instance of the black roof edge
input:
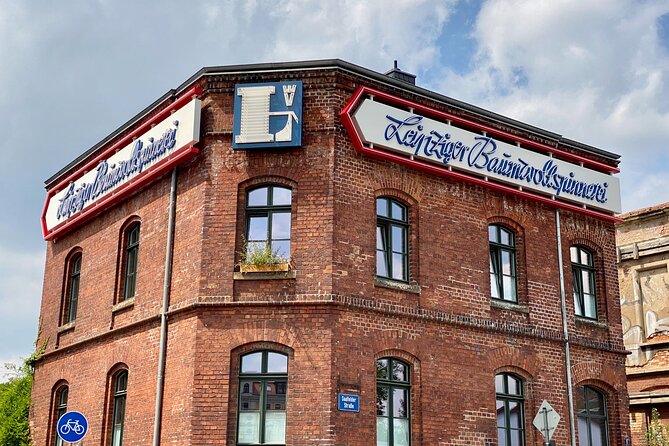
(346, 66)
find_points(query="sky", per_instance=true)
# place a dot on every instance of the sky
(596, 71)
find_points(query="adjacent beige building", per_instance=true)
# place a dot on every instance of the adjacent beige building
(643, 265)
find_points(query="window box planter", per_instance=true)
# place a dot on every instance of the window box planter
(273, 268)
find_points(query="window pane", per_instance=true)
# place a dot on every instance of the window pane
(249, 427)
(400, 432)
(275, 427)
(594, 402)
(582, 432)
(514, 415)
(579, 400)
(258, 197)
(586, 258)
(399, 372)
(277, 363)
(398, 267)
(382, 431)
(251, 363)
(382, 369)
(506, 263)
(250, 395)
(381, 264)
(494, 291)
(513, 386)
(585, 280)
(573, 254)
(257, 228)
(398, 239)
(400, 403)
(380, 241)
(499, 383)
(382, 394)
(397, 211)
(501, 437)
(505, 237)
(501, 413)
(590, 306)
(598, 432)
(280, 225)
(281, 248)
(509, 285)
(492, 234)
(282, 196)
(516, 437)
(382, 207)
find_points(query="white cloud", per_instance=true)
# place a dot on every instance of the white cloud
(591, 70)
(20, 295)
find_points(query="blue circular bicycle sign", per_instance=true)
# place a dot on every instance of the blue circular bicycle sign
(72, 426)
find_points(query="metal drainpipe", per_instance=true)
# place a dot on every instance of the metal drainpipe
(565, 331)
(162, 353)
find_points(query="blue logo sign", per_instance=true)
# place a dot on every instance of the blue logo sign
(267, 115)
(72, 426)
(348, 403)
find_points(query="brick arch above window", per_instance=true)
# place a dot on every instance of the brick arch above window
(396, 194)
(512, 360)
(595, 375)
(263, 345)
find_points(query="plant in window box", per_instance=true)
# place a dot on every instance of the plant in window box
(259, 257)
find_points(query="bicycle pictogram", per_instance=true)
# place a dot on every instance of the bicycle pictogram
(72, 426)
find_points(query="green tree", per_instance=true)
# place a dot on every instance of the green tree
(657, 434)
(14, 406)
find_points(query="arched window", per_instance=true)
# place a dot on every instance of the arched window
(129, 261)
(73, 279)
(59, 409)
(120, 391)
(392, 239)
(502, 263)
(592, 420)
(268, 210)
(583, 283)
(393, 395)
(263, 380)
(510, 410)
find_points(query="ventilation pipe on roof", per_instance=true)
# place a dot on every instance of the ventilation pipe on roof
(400, 75)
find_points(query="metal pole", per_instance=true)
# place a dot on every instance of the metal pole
(162, 352)
(565, 331)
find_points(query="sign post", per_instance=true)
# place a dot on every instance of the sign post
(72, 427)
(546, 421)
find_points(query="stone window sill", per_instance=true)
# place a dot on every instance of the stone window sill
(590, 322)
(395, 285)
(271, 275)
(509, 306)
(128, 303)
(66, 327)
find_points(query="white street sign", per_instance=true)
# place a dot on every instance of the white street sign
(546, 420)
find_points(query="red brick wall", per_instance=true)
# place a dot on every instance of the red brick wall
(331, 318)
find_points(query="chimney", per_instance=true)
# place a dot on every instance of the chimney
(400, 75)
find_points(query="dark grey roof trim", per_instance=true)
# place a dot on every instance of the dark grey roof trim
(345, 66)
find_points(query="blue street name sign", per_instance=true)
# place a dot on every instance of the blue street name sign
(72, 426)
(348, 403)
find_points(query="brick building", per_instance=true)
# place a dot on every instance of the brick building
(315, 253)
(643, 259)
